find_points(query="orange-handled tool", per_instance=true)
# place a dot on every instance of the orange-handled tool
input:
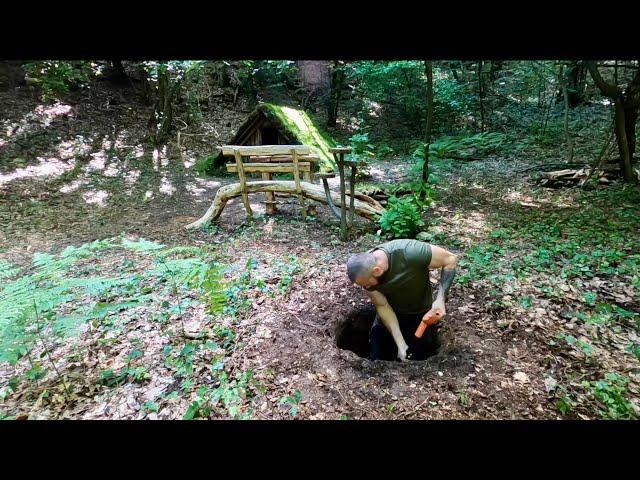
(427, 322)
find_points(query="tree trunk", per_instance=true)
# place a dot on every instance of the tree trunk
(162, 118)
(623, 143)
(11, 74)
(496, 66)
(565, 94)
(454, 72)
(463, 70)
(626, 106)
(428, 71)
(481, 95)
(118, 69)
(314, 75)
(576, 83)
(630, 120)
(631, 107)
(547, 113)
(335, 93)
(146, 88)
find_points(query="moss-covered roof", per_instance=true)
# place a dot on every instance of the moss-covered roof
(295, 122)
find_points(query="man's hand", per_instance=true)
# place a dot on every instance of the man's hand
(402, 352)
(438, 311)
(390, 320)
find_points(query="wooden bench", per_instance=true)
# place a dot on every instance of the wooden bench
(270, 159)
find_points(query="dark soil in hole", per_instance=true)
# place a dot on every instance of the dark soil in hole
(352, 333)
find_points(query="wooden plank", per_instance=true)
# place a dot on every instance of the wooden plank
(247, 150)
(269, 167)
(283, 159)
(341, 150)
(243, 183)
(354, 163)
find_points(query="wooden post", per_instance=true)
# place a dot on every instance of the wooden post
(352, 191)
(343, 210)
(243, 182)
(296, 177)
(271, 197)
(312, 207)
(338, 155)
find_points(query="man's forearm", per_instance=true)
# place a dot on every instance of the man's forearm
(390, 320)
(446, 280)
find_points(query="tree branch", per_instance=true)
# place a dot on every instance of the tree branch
(608, 89)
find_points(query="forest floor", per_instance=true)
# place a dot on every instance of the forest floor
(542, 322)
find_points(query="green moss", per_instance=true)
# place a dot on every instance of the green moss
(300, 124)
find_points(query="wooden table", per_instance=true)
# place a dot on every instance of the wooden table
(270, 159)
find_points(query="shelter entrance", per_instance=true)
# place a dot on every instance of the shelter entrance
(269, 136)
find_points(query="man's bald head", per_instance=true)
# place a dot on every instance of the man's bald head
(361, 265)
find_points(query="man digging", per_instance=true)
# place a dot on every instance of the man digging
(395, 276)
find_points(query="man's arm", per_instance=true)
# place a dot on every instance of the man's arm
(447, 262)
(389, 320)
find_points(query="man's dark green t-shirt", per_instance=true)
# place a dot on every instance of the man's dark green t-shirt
(406, 283)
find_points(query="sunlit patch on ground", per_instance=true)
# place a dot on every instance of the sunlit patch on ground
(50, 112)
(46, 168)
(160, 158)
(166, 187)
(78, 146)
(96, 197)
(73, 186)
(197, 189)
(132, 176)
(106, 144)
(138, 151)
(98, 162)
(468, 228)
(194, 189)
(521, 198)
(189, 161)
(42, 115)
(112, 170)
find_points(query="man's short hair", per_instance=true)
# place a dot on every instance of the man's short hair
(360, 265)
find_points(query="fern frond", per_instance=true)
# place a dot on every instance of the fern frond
(7, 270)
(141, 245)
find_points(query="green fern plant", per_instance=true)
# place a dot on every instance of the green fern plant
(7, 270)
(464, 146)
(48, 284)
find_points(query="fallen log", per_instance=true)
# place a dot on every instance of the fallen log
(569, 178)
(551, 165)
(365, 207)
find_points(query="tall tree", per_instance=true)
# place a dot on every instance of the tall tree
(626, 103)
(565, 94)
(428, 71)
(481, 95)
(315, 78)
(576, 79)
(335, 92)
